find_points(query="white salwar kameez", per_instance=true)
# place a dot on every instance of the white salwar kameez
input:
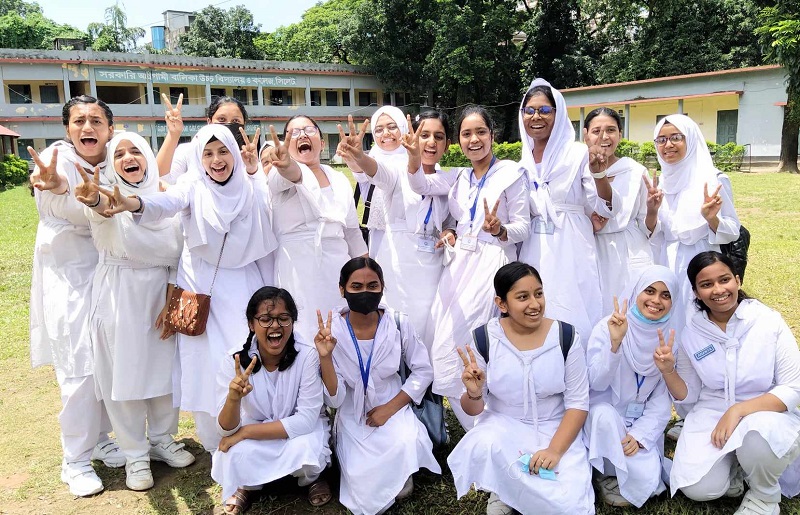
(526, 395)
(756, 354)
(294, 398)
(208, 211)
(317, 230)
(561, 243)
(623, 245)
(376, 461)
(465, 296)
(64, 260)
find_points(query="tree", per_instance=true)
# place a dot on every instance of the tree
(780, 35)
(219, 33)
(23, 26)
(114, 35)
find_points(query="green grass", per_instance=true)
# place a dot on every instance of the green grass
(30, 452)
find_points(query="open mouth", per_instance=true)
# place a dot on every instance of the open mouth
(533, 314)
(537, 127)
(89, 142)
(477, 148)
(218, 169)
(274, 339)
(721, 298)
(131, 168)
(655, 310)
(304, 147)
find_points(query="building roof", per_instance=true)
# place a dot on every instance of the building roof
(5, 131)
(184, 62)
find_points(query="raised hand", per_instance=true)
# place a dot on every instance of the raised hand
(711, 204)
(663, 356)
(46, 178)
(598, 222)
(250, 150)
(240, 385)
(119, 203)
(279, 154)
(350, 146)
(88, 192)
(473, 377)
(172, 115)
(324, 340)
(491, 223)
(618, 324)
(410, 141)
(629, 445)
(654, 195)
(598, 160)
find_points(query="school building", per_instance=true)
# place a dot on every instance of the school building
(744, 105)
(37, 83)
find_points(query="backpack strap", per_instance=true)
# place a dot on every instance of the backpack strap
(403, 370)
(367, 201)
(481, 337)
(566, 333)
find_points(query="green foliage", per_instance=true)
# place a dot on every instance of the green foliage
(727, 157)
(454, 157)
(219, 33)
(114, 35)
(28, 28)
(13, 172)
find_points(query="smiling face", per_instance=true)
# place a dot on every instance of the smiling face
(524, 303)
(433, 140)
(387, 133)
(655, 301)
(227, 113)
(89, 131)
(272, 340)
(475, 138)
(671, 152)
(218, 161)
(305, 148)
(129, 162)
(538, 127)
(718, 288)
(603, 131)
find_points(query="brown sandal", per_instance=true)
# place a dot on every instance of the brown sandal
(240, 501)
(319, 493)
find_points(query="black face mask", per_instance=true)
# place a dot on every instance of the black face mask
(237, 135)
(364, 302)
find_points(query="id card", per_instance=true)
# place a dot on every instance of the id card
(542, 227)
(426, 243)
(469, 242)
(635, 410)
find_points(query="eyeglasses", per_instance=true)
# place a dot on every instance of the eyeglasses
(266, 321)
(389, 128)
(310, 130)
(543, 111)
(674, 138)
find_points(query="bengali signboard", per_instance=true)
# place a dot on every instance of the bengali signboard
(190, 128)
(200, 78)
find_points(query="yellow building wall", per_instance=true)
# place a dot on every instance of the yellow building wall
(35, 94)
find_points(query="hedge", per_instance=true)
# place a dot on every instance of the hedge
(13, 172)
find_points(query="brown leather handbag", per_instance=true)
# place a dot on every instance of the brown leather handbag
(187, 312)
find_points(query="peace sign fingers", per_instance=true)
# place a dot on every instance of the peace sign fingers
(172, 115)
(48, 177)
(324, 340)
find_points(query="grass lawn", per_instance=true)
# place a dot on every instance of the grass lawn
(30, 452)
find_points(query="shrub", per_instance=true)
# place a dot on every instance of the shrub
(454, 157)
(13, 171)
(728, 157)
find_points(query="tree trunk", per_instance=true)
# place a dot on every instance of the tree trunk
(790, 134)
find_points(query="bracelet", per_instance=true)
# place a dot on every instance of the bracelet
(141, 205)
(470, 397)
(674, 369)
(499, 233)
(598, 175)
(99, 196)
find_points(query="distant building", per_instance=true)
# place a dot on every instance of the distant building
(69, 44)
(176, 23)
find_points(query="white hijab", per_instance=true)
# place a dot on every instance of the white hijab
(399, 118)
(686, 178)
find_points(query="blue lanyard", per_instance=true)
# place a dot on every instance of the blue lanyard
(364, 371)
(427, 216)
(639, 384)
(478, 193)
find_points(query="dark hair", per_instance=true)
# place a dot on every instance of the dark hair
(539, 90)
(480, 111)
(357, 263)
(509, 274)
(85, 99)
(218, 102)
(269, 293)
(708, 258)
(433, 114)
(286, 125)
(605, 111)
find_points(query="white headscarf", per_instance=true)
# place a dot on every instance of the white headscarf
(686, 178)
(399, 118)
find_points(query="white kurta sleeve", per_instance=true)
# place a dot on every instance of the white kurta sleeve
(576, 378)
(180, 162)
(416, 357)
(309, 399)
(787, 368)
(649, 428)
(277, 183)
(438, 183)
(335, 401)
(161, 205)
(684, 368)
(385, 177)
(603, 364)
(519, 219)
(728, 228)
(593, 201)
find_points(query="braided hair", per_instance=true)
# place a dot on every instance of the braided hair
(269, 293)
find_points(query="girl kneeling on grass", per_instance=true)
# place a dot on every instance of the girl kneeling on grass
(739, 366)
(271, 418)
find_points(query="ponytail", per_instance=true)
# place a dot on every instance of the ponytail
(244, 354)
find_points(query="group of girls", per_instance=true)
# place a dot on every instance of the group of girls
(620, 256)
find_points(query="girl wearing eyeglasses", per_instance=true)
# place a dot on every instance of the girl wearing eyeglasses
(314, 219)
(270, 413)
(566, 184)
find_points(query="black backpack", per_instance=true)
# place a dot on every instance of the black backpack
(737, 250)
(566, 332)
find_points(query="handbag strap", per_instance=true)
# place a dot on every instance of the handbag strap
(224, 238)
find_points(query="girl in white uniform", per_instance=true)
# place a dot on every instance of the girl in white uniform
(133, 358)
(226, 220)
(314, 219)
(529, 403)
(380, 443)
(64, 260)
(270, 408)
(490, 204)
(738, 366)
(629, 403)
(622, 242)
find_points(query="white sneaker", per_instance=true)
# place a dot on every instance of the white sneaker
(109, 453)
(609, 491)
(675, 431)
(737, 483)
(172, 453)
(138, 476)
(498, 507)
(752, 505)
(81, 478)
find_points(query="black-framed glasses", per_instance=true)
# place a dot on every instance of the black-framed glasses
(389, 128)
(266, 321)
(543, 111)
(674, 138)
(309, 130)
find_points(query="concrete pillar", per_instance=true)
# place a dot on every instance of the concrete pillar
(680, 106)
(627, 128)
(208, 94)
(261, 96)
(580, 124)
(92, 83)
(308, 91)
(67, 96)
(152, 96)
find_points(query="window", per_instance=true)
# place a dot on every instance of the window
(22, 148)
(119, 94)
(217, 92)
(156, 95)
(278, 97)
(345, 98)
(316, 97)
(49, 142)
(387, 98)
(331, 98)
(240, 95)
(367, 98)
(19, 94)
(254, 97)
(49, 94)
(174, 93)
